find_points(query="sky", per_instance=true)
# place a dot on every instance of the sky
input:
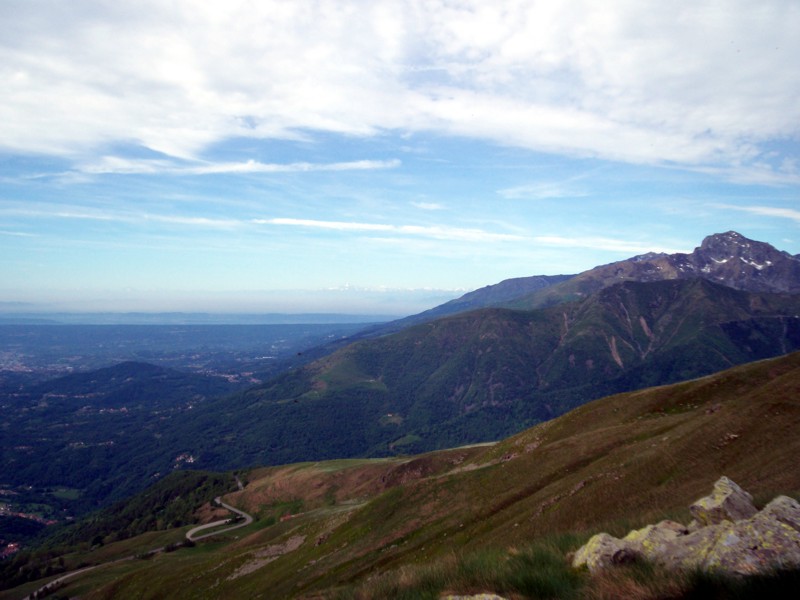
(380, 156)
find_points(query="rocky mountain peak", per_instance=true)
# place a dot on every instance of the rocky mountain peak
(725, 246)
(742, 263)
(727, 258)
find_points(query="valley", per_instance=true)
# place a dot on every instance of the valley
(73, 396)
(36, 351)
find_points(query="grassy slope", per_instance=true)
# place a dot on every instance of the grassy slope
(612, 464)
(487, 374)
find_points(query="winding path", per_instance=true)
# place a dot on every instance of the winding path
(192, 536)
(53, 585)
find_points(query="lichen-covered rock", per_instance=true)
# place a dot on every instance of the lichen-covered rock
(651, 541)
(693, 526)
(771, 539)
(728, 502)
(729, 542)
(755, 546)
(601, 551)
(783, 509)
(692, 551)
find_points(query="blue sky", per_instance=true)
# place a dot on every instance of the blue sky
(380, 156)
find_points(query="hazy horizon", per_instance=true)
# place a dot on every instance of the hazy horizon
(347, 301)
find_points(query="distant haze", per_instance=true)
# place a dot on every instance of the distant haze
(346, 304)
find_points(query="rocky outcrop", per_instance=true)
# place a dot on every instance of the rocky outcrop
(728, 502)
(727, 535)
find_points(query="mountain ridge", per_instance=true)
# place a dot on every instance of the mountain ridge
(728, 258)
(474, 376)
(759, 267)
(483, 374)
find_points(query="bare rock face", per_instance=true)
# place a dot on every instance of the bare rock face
(728, 535)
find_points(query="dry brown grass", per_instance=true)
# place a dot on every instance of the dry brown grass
(630, 584)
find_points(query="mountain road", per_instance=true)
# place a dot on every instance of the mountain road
(192, 536)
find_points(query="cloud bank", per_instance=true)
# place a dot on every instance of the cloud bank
(701, 84)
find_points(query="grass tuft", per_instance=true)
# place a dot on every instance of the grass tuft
(539, 571)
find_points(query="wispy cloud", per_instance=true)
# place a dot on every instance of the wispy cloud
(54, 211)
(785, 174)
(123, 166)
(600, 243)
(79, 214)
(50, 212)
(428, 205)
(427, 231)
(542, 191)
(206, 222)
(765, 211)
(17, 233)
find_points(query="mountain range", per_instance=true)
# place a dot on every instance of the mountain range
(523, 360)
(524, 357)
(726, 258)
(476, 369)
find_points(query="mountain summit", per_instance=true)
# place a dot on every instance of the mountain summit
(726, 258)
(741, 263)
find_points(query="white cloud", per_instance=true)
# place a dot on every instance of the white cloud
(766, 211)
(17, 233)
(117, 165)
(333, 225)
(433, 232)
(684, 82)
(49, 211)
(599, 243)
(428, 205)
(79, 214)
(541, 191)
(207, 222)
(757, 173)
(438, 232)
